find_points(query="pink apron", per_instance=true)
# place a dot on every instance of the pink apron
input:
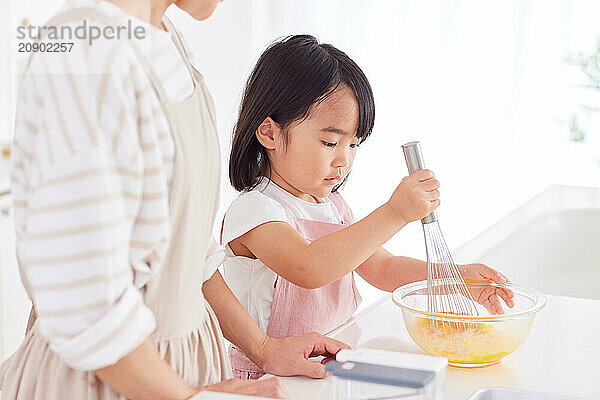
(296, 310)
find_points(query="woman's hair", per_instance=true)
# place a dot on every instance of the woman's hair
(289, 78)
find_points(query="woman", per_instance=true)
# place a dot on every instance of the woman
(116, 185)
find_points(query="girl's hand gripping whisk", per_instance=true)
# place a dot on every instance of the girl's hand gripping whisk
(416, 196)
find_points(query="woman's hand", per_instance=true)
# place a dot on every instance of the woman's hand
(271, 387)
(487, 295)
(416, 196)
(289, 356)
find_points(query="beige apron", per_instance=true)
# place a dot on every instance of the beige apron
(187, 335)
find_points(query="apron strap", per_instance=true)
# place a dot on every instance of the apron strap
(343, 208)
(179, 43)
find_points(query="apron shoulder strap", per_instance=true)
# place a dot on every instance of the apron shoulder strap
(183, 50)
(342, 207)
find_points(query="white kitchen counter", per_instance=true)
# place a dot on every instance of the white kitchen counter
(561, 355)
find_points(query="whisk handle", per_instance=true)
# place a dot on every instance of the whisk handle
(414, 162)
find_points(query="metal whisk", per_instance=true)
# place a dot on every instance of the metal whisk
(446, 289)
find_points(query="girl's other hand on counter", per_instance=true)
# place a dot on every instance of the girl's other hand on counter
(488, 296)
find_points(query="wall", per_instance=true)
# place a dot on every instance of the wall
(485, 86)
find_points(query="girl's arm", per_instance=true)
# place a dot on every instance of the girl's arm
(312, 265)
(388, 272)
(327, 259)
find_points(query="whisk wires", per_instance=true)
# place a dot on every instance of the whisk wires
(446, 289)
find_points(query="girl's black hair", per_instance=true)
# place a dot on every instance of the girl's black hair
(289, 77)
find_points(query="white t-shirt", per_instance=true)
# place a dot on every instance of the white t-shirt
(250, 280)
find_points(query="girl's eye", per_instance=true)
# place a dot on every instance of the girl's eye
(328, 144)
(354, 145)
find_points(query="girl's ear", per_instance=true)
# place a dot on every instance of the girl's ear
(267, 133)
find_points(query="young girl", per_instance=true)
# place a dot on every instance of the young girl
(290, 237)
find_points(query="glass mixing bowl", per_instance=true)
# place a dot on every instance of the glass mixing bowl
(468, 341)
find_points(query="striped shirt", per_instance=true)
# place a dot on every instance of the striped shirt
(91, 171)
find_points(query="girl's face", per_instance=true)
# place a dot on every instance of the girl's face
(320, 149)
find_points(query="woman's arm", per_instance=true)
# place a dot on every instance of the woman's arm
(286, 356)
(143, 374)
